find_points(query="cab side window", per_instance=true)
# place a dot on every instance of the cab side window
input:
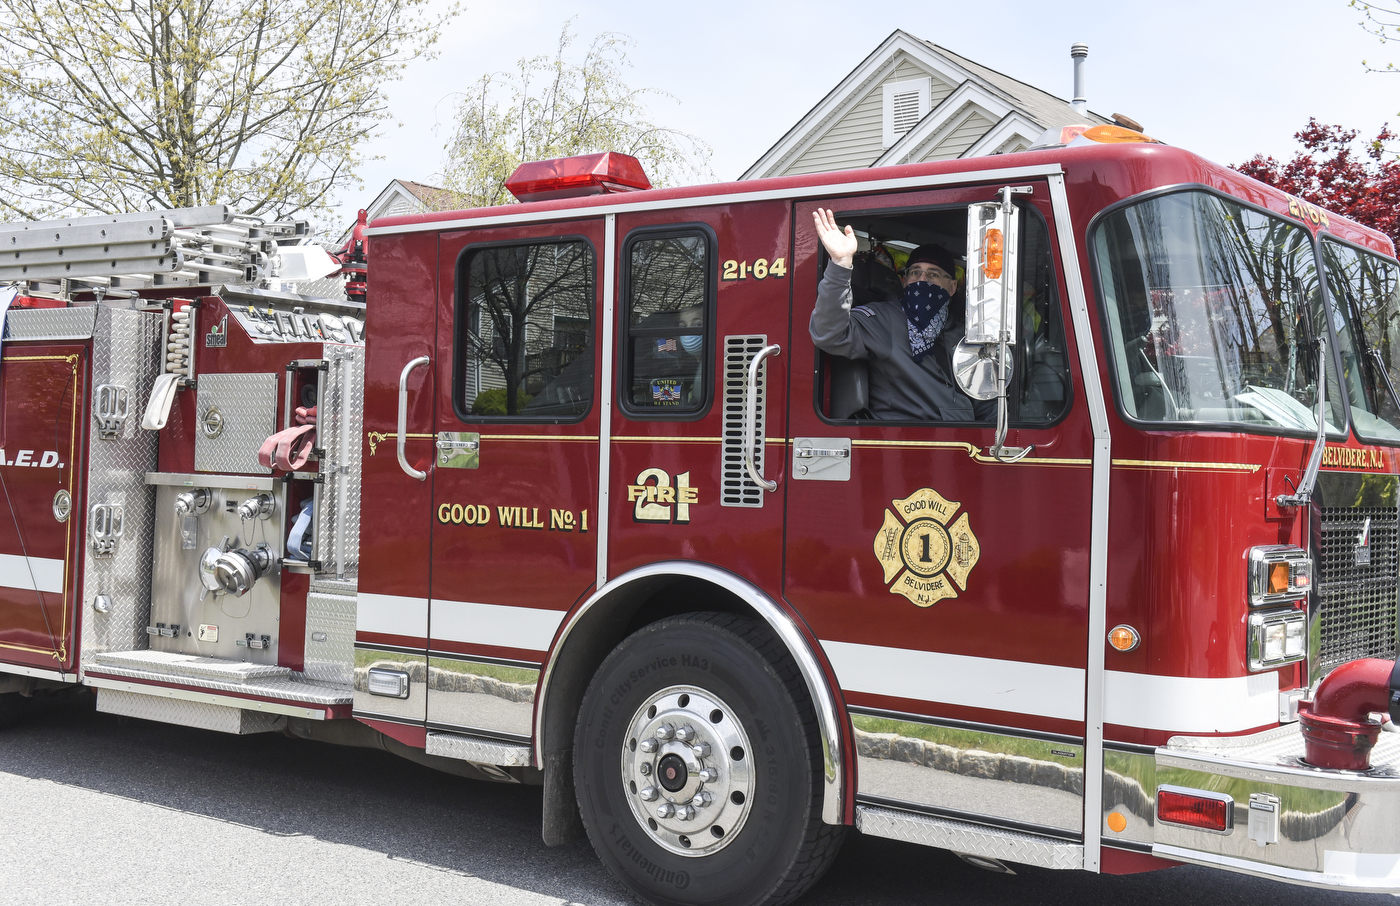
(1040, 382)
(524, 332)
(667, 351)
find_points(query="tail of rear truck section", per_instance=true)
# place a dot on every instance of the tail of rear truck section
(565, 494)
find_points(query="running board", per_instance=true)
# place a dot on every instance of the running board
(479, 750)
(969, 839)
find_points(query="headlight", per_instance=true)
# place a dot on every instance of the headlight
(1277, 638)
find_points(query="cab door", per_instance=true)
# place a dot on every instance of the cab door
(515, 472)
(949, 588)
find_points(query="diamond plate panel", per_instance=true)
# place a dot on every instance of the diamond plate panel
(192, 666)
(248, 406)
(339, 423)
(1283, 745)
(989, 842)
(126, 351)
(199, 715)
(52, 323)
(286, 689)
(330, 635)
(480, 751)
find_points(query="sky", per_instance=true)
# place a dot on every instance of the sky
(1224, 78)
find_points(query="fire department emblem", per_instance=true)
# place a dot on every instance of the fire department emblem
(921, 553)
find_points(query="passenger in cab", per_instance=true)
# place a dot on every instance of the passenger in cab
(910, 368)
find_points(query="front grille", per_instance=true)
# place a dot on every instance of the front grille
(1358, 601)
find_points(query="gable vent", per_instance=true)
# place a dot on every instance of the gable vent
(906, 111)
(905, 103)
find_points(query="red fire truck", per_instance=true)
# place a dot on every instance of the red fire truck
(564, 494)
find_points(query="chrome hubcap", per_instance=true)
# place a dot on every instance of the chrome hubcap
(686, 766)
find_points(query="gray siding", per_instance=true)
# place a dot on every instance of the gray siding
(855, 140)
(961, 138)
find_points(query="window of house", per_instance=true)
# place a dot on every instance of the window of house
(668, 353)
(524, 337)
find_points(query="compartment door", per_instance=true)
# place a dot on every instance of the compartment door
(41, 515)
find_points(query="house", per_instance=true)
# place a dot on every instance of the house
(402, 196)
(912, 101)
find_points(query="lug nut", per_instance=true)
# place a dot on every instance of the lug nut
(701, 749)
(702, 799)
(665, 810)
(644, 768)
(665, 731)
(649, 745)
(685, 813)
(685, 733)
(649, 793)
(709, 775)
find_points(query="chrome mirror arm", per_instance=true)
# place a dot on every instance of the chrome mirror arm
(1305, 488)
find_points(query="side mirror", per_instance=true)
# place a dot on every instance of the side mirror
(993, 244)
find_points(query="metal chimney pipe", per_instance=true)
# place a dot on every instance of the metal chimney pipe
(1079, 53)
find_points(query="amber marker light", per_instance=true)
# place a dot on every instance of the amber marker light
(1117, 822)
(1115, 135)
(1123, 637)
(993, 255)
(1278, 578)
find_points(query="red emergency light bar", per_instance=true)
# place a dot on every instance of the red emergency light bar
(570, 177)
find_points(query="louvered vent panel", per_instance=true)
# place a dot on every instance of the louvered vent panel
(906, 111)
(737, 488)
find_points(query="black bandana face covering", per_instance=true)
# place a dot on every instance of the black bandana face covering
(926, 309)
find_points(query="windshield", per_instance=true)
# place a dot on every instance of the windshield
(1213, 309)
(1366, 293)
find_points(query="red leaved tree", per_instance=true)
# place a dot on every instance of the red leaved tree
(1329, 173)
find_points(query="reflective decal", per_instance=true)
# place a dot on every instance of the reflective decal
(921, 553)
(657, 500)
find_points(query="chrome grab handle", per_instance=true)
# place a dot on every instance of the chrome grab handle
(470, 446)
(403, 417)
(751, 416)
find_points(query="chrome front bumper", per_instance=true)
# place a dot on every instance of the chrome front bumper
(1335, 829)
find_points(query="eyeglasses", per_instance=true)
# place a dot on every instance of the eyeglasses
(929, 273)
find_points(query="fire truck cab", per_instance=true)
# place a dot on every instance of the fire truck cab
(570, 496)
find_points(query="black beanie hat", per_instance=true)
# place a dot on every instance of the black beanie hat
(936, 255)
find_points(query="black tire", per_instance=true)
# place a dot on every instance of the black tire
(727, 680)
(13, 706)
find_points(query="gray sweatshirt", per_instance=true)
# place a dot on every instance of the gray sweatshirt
(899, 386)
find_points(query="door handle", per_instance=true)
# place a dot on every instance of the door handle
(751, 416)
(403, 417)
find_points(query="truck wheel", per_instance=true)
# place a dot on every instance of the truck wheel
(697, 762)
(13, 706)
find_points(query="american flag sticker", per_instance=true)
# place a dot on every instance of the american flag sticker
(666, 391)
(666, 345)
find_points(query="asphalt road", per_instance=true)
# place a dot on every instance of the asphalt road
(96, 809)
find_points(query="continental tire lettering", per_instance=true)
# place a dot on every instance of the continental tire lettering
(679, 879)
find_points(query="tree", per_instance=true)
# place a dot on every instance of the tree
(1382, 19)
(109, 106)
(1329, 173)
(551, 107)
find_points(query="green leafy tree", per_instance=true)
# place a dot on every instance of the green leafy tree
(553, 107)
(121, 105)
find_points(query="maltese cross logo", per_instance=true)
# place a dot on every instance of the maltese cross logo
(921, 553)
